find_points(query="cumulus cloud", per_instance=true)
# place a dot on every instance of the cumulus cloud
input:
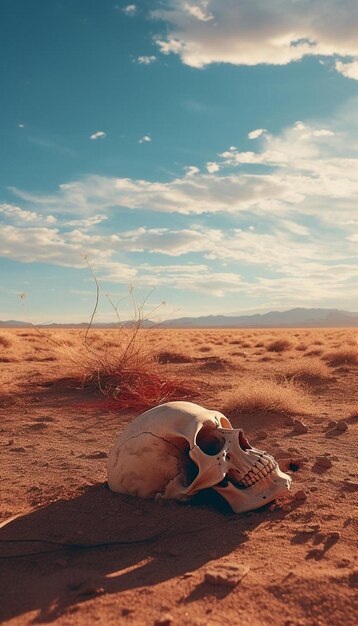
(99, 134)
(308, 169)
(17, 214)
(212, 167)
(350, 70)
(249, 33)
(297, 214)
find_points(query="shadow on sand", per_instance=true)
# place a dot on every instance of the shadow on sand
(158, 543)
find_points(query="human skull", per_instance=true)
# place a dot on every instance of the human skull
(177, 449)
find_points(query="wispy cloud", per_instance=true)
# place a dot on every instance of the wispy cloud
(307, 169)
(146, 60)
(254, 134)
(99, 134)
(298, 212)
(249, 33)
(145, 139)
(130, 9)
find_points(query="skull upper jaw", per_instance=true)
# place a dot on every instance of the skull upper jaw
(251, 498)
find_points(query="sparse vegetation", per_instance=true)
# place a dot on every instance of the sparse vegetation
(279, 345)
(4, 342)
(304, 370)
(253, 394)
(346, 355)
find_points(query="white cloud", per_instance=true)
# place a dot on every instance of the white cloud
(99, 134)
(198, 10)
(145, 139)
(251, 32)
(348, 69)
(254, 134)
(130, 9)
(17, 214)
(21, 125)
(212, 167)
(308, 169)
(295, 218)
(87, 222)
(146, 60)
(191, 170)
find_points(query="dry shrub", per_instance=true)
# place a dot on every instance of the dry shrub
(217, 364)
(127, 374)
(173, 357)
(346, 355)
(315, 352)
(253, 394)
(301, 347)
(4, 341)
(306, 371)
(279, 345)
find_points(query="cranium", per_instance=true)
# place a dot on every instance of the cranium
(177, 449)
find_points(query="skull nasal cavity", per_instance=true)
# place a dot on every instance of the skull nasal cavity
(209, 440)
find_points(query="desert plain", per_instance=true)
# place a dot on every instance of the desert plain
(72, 552)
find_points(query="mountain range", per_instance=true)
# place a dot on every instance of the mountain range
(294, 318)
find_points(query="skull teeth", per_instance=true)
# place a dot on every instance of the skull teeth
(260, 470)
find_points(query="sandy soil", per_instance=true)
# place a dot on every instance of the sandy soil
(135, 562)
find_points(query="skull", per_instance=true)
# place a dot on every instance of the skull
(177, 449)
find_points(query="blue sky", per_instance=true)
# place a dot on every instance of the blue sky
(204, 152)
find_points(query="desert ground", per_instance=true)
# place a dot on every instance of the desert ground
(73, 552)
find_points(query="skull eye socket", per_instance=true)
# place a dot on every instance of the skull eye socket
(209, 440)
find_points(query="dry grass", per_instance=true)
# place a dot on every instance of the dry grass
(167, 356)
(346, 355)
(305, 371)
(253, 394)
(279, 345)
(5, 342)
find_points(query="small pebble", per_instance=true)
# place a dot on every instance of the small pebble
(342, 425)
(126, 611)
(335, 535)
(332, 424)
(300, 427)
(227, 574)
(300, 495)
(324, 461)
(164, 620)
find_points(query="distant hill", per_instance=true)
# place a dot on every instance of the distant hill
(294, 318)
